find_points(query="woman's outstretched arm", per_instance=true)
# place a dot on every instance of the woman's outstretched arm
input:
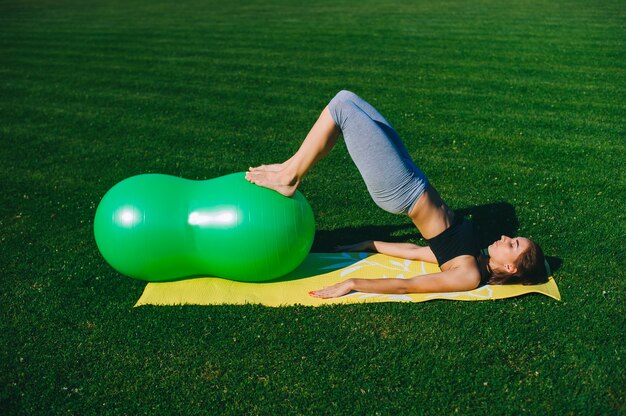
(407, 251)
(454, 280)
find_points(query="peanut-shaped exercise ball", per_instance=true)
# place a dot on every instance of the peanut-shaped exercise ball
(159, 227)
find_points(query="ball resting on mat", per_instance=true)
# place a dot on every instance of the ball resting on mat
(159, 227)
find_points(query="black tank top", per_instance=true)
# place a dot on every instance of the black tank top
(458, 240)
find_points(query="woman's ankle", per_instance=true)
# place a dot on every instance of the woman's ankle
(289, 176)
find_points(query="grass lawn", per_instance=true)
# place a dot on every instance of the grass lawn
(515, 110)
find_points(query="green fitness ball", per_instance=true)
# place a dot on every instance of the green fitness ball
(158, 227)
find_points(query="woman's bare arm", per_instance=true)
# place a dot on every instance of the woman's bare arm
(458, 279)
(407, 251)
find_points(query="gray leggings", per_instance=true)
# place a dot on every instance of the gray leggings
(393, 180)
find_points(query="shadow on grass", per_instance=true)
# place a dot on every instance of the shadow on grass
(554, 263)
(326, 241)
(492, 221)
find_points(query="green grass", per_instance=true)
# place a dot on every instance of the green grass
(517, 106)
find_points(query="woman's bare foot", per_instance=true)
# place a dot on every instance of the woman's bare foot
(272, 168)
(268, 168)
(280, 181)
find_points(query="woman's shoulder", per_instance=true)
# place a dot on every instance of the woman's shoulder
(465, 266)
(465, 262)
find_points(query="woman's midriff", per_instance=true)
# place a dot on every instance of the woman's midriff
(430, 214)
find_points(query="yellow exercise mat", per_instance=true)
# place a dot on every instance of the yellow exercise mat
(319, 270)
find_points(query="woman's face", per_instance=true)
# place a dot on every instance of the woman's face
(505, 251)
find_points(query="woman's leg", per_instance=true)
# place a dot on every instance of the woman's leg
(285, 177)
(393, 180)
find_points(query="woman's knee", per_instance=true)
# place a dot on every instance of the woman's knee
(339, 105)
(347, 95)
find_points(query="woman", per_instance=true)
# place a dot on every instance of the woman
(398, 186)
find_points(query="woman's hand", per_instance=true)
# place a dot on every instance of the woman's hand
(334, 291)
(362, 246)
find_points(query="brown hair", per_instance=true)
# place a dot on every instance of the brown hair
(531, 269)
